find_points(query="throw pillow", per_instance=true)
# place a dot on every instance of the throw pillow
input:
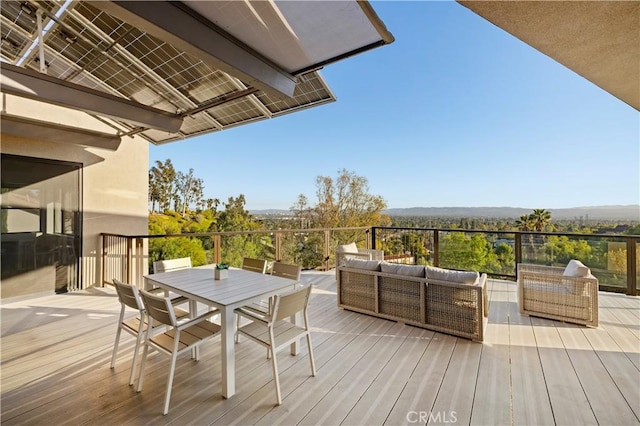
(347, 248)
(575, 268)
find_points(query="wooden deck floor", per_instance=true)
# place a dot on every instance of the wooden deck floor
(56, 352)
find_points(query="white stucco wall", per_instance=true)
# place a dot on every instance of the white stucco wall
(114, 183)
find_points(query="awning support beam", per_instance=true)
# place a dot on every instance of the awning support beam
(33, 85)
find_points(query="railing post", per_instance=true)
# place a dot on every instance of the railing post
(217, 257)
(436, 248)
(103, 256)
(373, 237)
(129, 259)
(139, 256)
(327, 242)
(518, 249)
(632, 267)
(278, 253)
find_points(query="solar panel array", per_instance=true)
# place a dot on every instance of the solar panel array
(89, 47)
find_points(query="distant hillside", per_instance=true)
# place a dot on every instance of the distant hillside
(630, 212)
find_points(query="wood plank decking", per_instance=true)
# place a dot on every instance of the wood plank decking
(56, 351)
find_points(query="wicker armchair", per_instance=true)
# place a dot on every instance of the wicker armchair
(350, 251)
(549, 292)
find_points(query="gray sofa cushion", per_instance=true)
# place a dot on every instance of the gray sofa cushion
(398, 269)
(368, 265)
(441, 274)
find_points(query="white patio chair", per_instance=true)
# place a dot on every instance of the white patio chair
(169, 265)
(136, 326)
(178, 339)
(275, 330)
(263, 307)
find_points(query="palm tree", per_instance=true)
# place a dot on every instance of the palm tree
(525, 223)
(540, 219)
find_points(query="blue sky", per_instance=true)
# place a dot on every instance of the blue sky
(456, 112)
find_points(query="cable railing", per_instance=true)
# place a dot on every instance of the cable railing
(129, 257)
(613, 259)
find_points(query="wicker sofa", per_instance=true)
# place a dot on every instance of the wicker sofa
(567, 294)
(453, 302)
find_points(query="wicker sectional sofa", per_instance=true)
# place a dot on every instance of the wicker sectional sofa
(447, 301)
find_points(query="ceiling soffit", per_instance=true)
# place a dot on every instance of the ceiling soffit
(599, 40)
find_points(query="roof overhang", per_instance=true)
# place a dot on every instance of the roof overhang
(599, 40)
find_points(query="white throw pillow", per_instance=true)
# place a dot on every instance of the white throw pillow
(368, 265)
(347, 248)
(398, 269)
(575, 268)
(461, 277)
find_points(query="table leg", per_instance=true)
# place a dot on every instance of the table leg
(296, 319)
(227, 317)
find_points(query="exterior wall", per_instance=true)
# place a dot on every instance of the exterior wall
(114, 183)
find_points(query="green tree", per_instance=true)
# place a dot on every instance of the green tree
(560, 250)
(461, 251)
(235, 217)
(342, 202)
(189, 189)
(161, 185)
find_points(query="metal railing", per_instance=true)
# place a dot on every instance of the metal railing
(613, 259)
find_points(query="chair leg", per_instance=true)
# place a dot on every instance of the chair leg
(172, 369)
(115, 347)
(136, 351)
(313, 364)
(144, 360)
(274, 366)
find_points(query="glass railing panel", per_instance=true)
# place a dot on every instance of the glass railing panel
(605, 256)
(490, 252)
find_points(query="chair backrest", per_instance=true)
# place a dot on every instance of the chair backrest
(290, 304)
(254, 265)
(171, 264)
(159, 308)
(285, 270)
(128, 295)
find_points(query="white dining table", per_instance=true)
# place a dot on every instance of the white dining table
(238, 289)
